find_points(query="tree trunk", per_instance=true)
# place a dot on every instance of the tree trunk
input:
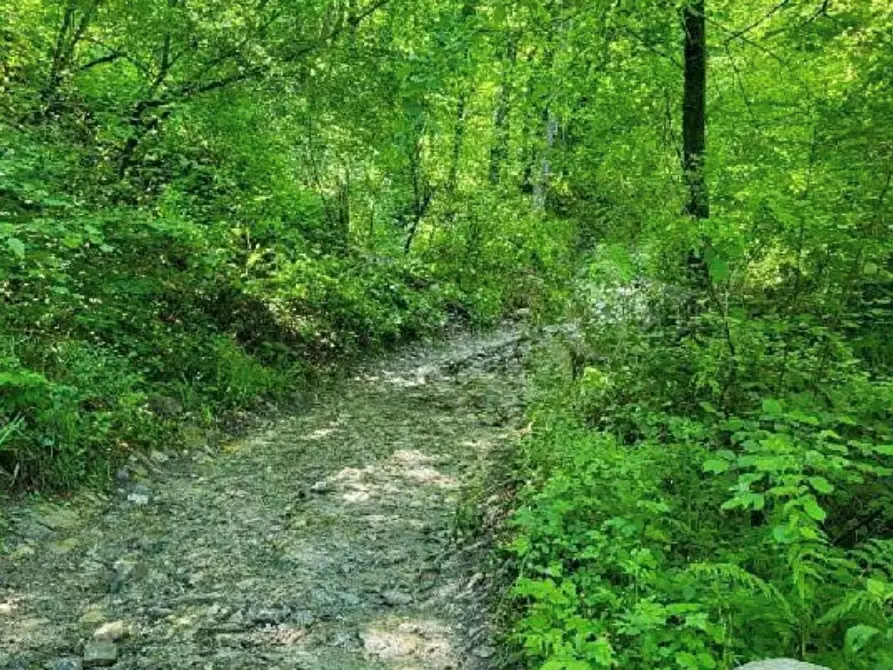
(70, 34)
(694, 110)
(458, 136)
(528, 142)
(541, 186)
(464, 89)
(422, 192)
(500, 150)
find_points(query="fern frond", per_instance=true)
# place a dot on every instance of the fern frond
(734, 575)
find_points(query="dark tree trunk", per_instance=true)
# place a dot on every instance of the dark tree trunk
(69, 36)
(528, 146)
(468, 11)
(500, 150)
(422, 192)
(458, 136)
(694, 110)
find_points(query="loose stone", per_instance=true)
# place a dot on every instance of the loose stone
(100, 654)
(111, 631)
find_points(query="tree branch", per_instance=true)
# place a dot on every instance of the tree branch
(367, 12)
(821, 11)
(772, 12)
(108, 58)
(766, 50)
(138, 64)
(651, 47)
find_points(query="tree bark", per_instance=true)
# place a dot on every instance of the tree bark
(464, 90)
(541, 186)
(500, 150)
(422, 191)
(694, 110)
(458, 137)
(69, 36)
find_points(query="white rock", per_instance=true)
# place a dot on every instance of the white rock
(159, 457)
(138, 498)
(111, 631)
(781, 664)
(396, 598)
(98, 654)
(484, 652)
(320, 487)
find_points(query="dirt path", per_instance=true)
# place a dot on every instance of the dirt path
(323, 543)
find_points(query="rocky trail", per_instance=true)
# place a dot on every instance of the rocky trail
(324, 542)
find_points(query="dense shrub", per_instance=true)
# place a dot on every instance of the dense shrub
(122, 321)
(703, 488)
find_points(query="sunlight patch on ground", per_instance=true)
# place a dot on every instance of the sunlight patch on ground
(419, 377)
(318, 434)
(410, 644)
(426, 475)
(390, 478)
(414, 457)
(285, 635)
(478, 445)
(9, 606)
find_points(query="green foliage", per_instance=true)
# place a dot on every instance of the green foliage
(65, 422)
(202, 202)
(703, 542)
(502, 256)
(711, 485)
(340, 305)
(708, 476)
(694, 507)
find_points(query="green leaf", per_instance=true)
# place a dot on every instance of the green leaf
(821, 485)
(716, 465)
(734, 503)
(858, 636)
(784, 534)
(877, 588)
(16, 246)
(755, 501)
(719, 269)
(814, 510)
(802, 417)
(708, 407)
(687, 660)
(772, 407)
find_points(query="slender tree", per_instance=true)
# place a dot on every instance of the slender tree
(500, 150)
(694, 109)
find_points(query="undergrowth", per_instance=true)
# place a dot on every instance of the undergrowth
(703, 487)
(126, 324)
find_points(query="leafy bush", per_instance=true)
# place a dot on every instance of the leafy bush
(706, 542)
(110, 305)
(496, 255)
(334, 305)
(708, 489)
(76, 417)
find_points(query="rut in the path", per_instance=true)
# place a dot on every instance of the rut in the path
(323, 543)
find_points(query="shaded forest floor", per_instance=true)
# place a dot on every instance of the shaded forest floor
(325, 541)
